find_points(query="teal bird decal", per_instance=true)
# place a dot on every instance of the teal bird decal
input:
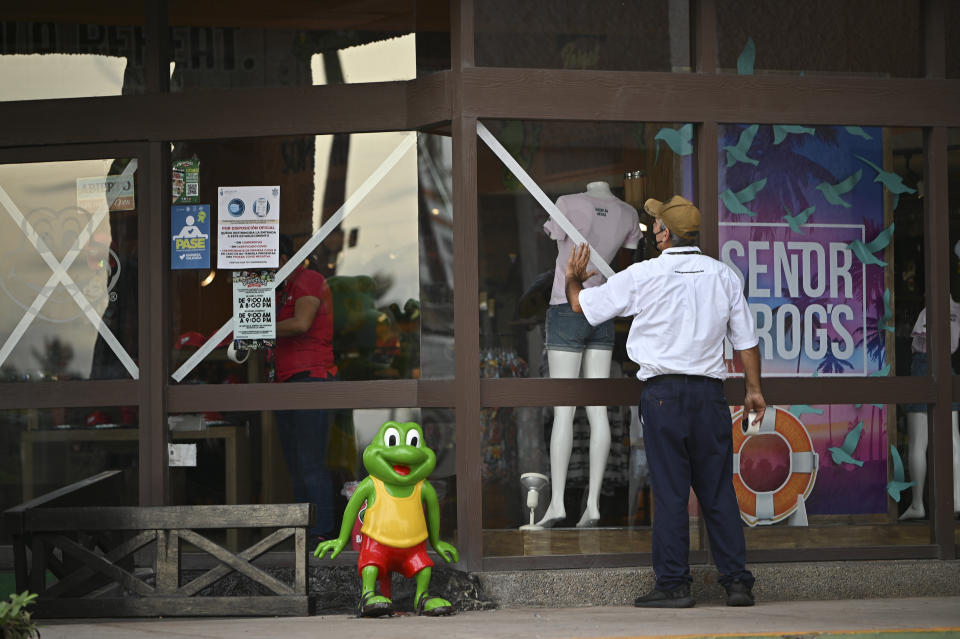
(738, 152)
(780, 131)
(735, 201)
(865, 251)
(679, 140)
(795, 221)
(832, 192)
(859, 132)
(883, 324)
(844, 454)
(883, 372)
(746, 59)
(802, 409)
(892, 181)
(898, 483)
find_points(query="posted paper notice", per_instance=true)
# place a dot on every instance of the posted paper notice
(248, 227)
(253, 317)
(190, 236)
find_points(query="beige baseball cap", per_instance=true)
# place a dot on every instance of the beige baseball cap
(678, 214)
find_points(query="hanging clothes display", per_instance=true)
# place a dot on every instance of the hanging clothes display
(500, 424)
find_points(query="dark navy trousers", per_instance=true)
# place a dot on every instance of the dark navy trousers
(688, 440)
(304, 437)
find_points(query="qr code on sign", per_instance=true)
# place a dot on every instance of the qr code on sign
(192, 188)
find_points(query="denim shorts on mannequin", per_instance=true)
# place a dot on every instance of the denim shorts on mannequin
(568, 330)
(918, 368)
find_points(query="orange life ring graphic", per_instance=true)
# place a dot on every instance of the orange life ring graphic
(769, 507)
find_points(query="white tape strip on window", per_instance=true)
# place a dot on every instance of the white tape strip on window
(60, 276)
(355, 198)
(484, 133)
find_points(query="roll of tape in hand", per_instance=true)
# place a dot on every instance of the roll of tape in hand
(749, 427)
(236, 355)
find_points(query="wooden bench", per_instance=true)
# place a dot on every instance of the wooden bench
(91, 551)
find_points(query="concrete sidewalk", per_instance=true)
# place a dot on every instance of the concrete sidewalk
(933, 616)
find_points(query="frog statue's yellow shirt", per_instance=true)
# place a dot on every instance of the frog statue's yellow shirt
(395, 521)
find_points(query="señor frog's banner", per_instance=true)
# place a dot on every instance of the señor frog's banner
(802, 222)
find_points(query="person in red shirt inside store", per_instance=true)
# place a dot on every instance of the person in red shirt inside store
(304, 353)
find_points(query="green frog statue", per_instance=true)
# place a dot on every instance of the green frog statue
(395, 529)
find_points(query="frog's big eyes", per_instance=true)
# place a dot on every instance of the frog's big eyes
(391, 437)
(413, 438)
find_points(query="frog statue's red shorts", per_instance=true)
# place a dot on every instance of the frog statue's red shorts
(406, 561)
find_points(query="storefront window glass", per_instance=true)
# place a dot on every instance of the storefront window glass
(534, 177)
(648, 35)
(297, 44)
(820, 37)
(602, 491)
(834, 475)
(824, 225)
(952, 11)
(577, 171)
(46, 449)
(370, 216)
(68, 232)
(71, 50)
(953, 176)
(813, 476)
(280, 457)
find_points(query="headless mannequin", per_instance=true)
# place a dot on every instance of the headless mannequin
(594, 362)
(566, 364)
(917, 434)
(600, 189)
(917, 463)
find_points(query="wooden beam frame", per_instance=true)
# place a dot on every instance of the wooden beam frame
(466, 279)
(537, 94)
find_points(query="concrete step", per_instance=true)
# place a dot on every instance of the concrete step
(818, 581)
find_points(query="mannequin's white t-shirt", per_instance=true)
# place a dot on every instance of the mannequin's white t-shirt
(607, 223)
(919, 333)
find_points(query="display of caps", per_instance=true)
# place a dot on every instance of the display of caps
(97, 418)
(197, 339)
(190, 338)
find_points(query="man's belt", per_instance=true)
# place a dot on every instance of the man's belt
(684, 379)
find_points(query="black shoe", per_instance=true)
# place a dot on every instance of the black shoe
(679, 597)
(739, 594)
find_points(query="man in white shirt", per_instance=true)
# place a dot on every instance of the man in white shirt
(683, 304)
